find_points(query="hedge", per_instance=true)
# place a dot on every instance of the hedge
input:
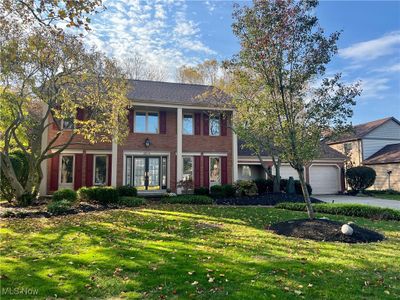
(102, 195)
(201, 191)
(352, 210)
(131, 201)
(65, 194)
(127, 190)
(188, 199)
(59, 207)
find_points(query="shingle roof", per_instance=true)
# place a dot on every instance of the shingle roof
(169, 92)
(388, 154)
(326, 152)
(361, 130)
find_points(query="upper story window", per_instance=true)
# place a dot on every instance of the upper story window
(146, 122)
(188, 124)
(215, 126)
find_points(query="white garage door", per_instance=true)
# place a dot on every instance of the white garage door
(286, 172)
(324, 179)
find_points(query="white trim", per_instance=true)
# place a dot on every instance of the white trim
(98, 151)
(235, 163)
(242, 160)
(69, 151)
(191, 153)
(146, 153)
(215, 154)
(253, 163)
(69, 184)
(153, 104)
(179, 162)
(146, 121)
(114, 162)
(43, 164)
(94, 169)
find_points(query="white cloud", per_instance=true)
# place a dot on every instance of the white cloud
(160, 31)
(374, 87)
(373, 49)
(210, 6)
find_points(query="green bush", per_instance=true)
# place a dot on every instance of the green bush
(264, 185)
(228, 190)
(216, 191)
(130, 201)
(101, 194)
(188, 199)
(59, 207)
(65, 194)
(26, 199)
(360, 178)
(201, 191)
(246, 188)
(299, 190)
(127, 190)
(353, 210)
(19, 161)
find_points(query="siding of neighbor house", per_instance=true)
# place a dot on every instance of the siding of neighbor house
(382, 178)
(355, 153)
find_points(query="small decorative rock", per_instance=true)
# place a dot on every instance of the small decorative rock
(346, 229)
(324, 218)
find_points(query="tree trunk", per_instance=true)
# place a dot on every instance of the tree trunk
(277, 178)
(9, 173)
(306, 195)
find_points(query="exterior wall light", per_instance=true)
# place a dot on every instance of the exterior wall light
(147, 143)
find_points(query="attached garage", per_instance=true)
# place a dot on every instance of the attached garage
(325, 179)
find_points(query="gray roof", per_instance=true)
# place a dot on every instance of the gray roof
(326, 152)
(388, 154)
(169, 93)
(361, 130)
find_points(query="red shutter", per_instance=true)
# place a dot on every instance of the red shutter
(89, 170)
(206, 171)
(55, 165)
(197, 166)
(223, 125)
(163, 122)
(80, 114)
(205, 124)
(109, 157)
(224, 170)
(130, 120)
(78, 172)
(197, 123)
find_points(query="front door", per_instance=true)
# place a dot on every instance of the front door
(146, 173)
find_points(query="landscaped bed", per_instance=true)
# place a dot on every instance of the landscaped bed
(186, 251)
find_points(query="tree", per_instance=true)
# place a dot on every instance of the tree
(136, 67)
(52, 77)
(203, 73)
(360, 178)
(283, 43)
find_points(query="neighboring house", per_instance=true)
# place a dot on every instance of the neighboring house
(375, 144)
(325, 174)
(172, 136)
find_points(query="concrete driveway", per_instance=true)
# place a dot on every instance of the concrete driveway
(359, 200)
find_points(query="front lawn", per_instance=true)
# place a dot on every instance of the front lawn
(184, 252)
(386, 196)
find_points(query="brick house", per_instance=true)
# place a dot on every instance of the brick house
(172, 136)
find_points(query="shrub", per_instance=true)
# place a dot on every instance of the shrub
(201, 191)
(299, 190)
(246, 188)
(228, 190)
(290, 186)
(186, 185)
(59, 207)
(188, 199)
(19, 161)
(130, 201)
(102, 195)
(216, 191)
(127, 190)
(353, 210)
(360, 178)
(264, 185)
(26, 199)
(65, 194)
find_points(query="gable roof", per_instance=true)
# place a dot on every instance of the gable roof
(388, 154)
(326, 152)
(361, 130)
(169, 93)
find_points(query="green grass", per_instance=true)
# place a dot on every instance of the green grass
(192, 252)
(386, 196)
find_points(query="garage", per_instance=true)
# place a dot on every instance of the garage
(286, 172)
(325, 179)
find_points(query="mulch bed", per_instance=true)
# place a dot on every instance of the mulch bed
(266, 199)
(325, 230)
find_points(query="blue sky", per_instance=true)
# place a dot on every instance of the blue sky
(177, 32)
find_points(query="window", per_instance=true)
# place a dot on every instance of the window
(187, 172)
(246, 172)
(215, 171)
(67, 169)
(68, 123)
(146, 122)
(100, 170)
(188, 124)
(214, 126)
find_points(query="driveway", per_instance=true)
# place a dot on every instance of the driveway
(360, 200)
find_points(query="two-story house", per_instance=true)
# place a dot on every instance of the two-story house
(375, 144)
(172, 136)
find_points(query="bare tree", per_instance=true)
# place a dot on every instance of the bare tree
(136, 67)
